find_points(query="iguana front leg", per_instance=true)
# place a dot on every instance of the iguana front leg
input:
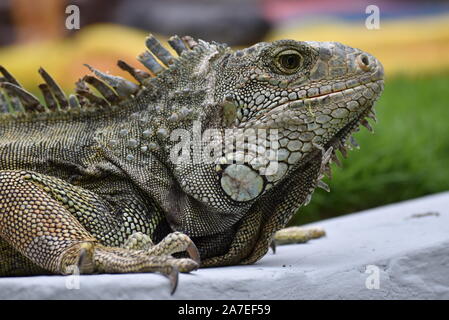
(41, 226)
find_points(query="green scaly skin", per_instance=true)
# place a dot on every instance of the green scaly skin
(89, 181)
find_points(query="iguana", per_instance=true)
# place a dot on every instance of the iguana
(119, 177)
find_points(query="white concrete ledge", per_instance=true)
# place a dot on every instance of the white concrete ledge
(408, 242)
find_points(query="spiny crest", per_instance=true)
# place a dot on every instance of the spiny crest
(112, 89)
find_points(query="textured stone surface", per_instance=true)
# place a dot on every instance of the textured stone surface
(408, 242)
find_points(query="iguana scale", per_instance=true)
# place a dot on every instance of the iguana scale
(90, 180)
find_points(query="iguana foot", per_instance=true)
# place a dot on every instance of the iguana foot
(173, 243)
(96, 258)
(297, 235)
(176, 242)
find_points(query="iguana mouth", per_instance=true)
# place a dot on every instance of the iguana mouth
(306, 102)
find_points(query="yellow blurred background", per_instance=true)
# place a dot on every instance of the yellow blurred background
(405, 46)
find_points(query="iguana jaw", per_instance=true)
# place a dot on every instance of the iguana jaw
(259, 121)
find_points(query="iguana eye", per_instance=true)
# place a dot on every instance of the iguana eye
(289, 61)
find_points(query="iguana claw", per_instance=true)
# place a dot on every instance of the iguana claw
(173, 276)
(193, 252)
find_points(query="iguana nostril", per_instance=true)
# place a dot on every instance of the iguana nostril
(364, 62)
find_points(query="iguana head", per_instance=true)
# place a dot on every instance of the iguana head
(282, 102)
(312, 94)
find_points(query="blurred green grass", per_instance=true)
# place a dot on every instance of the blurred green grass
(407, 157)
